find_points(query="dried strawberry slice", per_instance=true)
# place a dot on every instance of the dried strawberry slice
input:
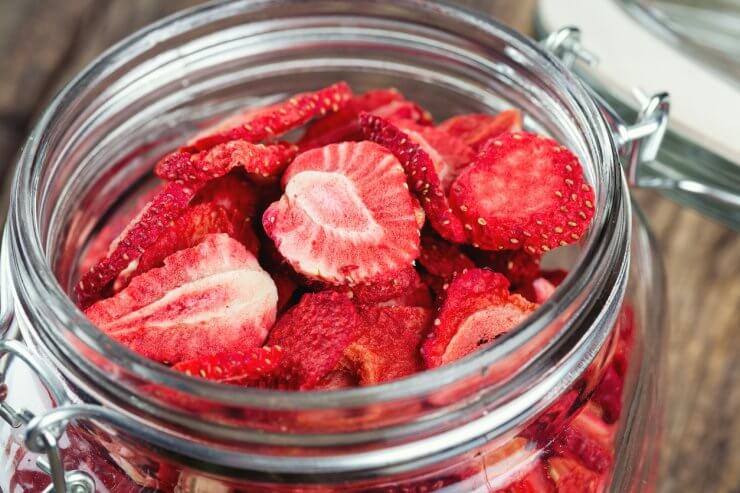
(257, 125)
(417, 294)
(313, 335)
(608, 395)
(571, 477)
(210, 298)
(346, 216)
(540, 289)
(422, 175)
(477, 309)
(267, 161)
(449, 154)
(517, 265)
(442, 259)
(225, 205)
(385, 288)
(344, 125)
(239, 368)
(388, 348)
(523, 191)
(477, 128)
(142, 232)
(588, 440)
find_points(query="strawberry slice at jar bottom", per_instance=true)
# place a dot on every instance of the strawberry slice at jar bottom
(266, 161)
(314, 334)
(523, 191)
(346, 216)
(236, 368)
(421, 174)
(388, 348)
(142, 232)
(477, 128)
(257, 125)
(210, 298)
(477, 309)
(571, 477)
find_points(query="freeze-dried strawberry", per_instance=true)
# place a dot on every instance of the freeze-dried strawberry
(237, 196)
(552, 420)
(337, 379)
(286, 288)
(344, 125)
(571, 477)
(448, 153)
(388, 347)
(142, 232)
(267, 161)
(314, 334)
(608, 395)
(523, 191)
(210, 298)
(422, 175)
(588, 440)
(346, 216)
(100, 246)
(417, 294)
(540, 289)
(477, 309)
(238, 368)
(536, 480)
(477, 128)
(518, 266)
(258, 125)
(385, 288)
(442, 259)
(188, 230)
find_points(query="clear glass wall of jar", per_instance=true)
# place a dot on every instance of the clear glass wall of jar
(480, 424)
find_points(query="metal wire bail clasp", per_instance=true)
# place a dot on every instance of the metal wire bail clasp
(639, 142)
(46, 440)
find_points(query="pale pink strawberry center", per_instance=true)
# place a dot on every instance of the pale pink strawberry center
(332, 202)
(481, 328)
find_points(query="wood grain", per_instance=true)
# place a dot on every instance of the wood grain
(44, 42)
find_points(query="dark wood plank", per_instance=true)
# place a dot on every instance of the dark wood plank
(44, 42)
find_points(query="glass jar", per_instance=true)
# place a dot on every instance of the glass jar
(514, 415)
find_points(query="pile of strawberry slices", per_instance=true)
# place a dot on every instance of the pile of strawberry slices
(377, 245)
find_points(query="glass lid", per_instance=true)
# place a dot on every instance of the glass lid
(688, 48)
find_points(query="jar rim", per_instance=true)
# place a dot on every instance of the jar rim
(29, 252)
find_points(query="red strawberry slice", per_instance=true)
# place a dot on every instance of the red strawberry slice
(258, 125)
(477, 309)
(523, 191)
(386, 288)
(477, 128)
(417, 294)
(266, 161)
(388, 348)
(422, 175)
(588, 440)
(225, 205)
(346, 216)
(100, 246)
(608, 395)
(448, 153)
(142, 232)
(442, 259)
(517, 265)
(239, 368)
(571, 477)
(313, 335)
(344, 125)
(210, 298)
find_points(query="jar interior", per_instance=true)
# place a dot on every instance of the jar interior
(138, 103)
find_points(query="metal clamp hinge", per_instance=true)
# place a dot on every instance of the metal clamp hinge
(39, 439)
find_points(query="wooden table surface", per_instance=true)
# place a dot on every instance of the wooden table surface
(43, 43)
